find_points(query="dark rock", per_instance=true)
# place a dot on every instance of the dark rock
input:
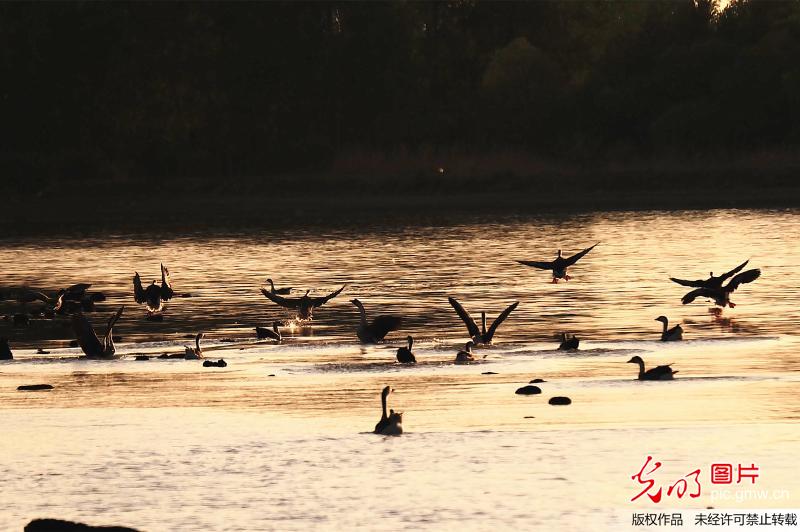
(537, 381)
(528, 390)
(58, 525)
(271, 375)
(489, 373)
(560, 400)
(31, 387)
(211, 364)
(172, 355)
(142, 357)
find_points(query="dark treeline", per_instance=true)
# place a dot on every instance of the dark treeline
(110, 91)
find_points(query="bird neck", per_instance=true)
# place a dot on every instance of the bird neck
(271, 285)
(197, 343)
(483, 322)
(410, 343)
(361, 312)
(641, 367)
(383, 405)
(664, 323)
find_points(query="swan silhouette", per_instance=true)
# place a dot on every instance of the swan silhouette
(404, 354)
(658, 373)
(390, 424)
(90, 344)
(670, 335)
(375, 331)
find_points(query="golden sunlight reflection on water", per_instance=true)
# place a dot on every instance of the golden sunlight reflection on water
(275, 440)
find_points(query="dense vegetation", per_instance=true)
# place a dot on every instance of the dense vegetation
(117, 92)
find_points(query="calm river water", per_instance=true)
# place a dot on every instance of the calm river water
(279, 439)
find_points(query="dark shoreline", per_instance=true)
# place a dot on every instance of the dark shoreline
(182, 211)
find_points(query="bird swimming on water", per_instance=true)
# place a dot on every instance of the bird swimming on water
(264, 333)
(465, 356)
(722, 295)
(279, 291)
(154, 295)
(568, 343)
(194, 353)
(658, 373)
(5, 350)
(404, 354)
(391, 423)
(304, 306)
(670, 335)
(482, 335)
(90, 344)
(375, 331)
(559, 265)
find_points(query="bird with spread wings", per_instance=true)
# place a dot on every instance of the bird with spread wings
(304, 306)
(559, 265)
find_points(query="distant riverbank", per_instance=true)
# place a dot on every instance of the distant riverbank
(386, 191)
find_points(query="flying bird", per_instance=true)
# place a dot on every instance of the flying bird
(304, 306)
(154, 295)
(482, 335)
(559, 265)
(375, 331)
(722, 295)
(711, 282)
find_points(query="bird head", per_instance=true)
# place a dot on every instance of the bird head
(468, 346)
(635, 360)
(662, 319)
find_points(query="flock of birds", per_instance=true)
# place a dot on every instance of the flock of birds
(75, 300)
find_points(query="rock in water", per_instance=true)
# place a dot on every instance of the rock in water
(58, 525)
(560, 400)
(528, 390)
(27, 387)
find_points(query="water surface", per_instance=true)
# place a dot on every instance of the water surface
(277, 440)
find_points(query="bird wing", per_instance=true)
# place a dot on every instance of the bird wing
(699, 283)
(166, 287)
(733, 271)
(745, 277)
(472, 327)
(700, 292)
(569, 261)
(383, 325)
(111, 322)
(78, 288)
(84, 333)
(500, 319)
(285, 302)
(537, 264)
(138, 291)
(319, 301)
